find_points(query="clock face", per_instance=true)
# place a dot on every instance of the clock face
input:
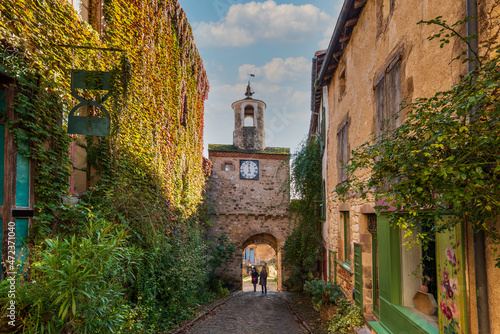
(249, 169)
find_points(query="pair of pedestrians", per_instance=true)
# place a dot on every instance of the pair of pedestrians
(263, 278)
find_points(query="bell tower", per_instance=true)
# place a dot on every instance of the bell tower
(249, 134)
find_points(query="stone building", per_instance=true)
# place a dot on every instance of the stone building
(248, 191)
(377, 57)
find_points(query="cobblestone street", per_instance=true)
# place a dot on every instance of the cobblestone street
(250, 313)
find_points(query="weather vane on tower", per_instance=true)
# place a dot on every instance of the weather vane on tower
(249, 92)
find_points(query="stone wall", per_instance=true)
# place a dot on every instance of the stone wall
(269, 195)
(249, 211)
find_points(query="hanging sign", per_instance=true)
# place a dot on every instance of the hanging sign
(86, 125)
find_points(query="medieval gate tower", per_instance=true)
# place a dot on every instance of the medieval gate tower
(249, 193)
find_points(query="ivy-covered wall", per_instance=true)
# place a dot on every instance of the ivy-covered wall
(147, 178)
(159, 89)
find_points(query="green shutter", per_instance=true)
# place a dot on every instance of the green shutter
(358, 275)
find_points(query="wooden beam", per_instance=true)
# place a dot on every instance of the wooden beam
(359, 3)
(332, 67)
(351, 22)
(344, 38)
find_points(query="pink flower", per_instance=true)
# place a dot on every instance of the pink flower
(454, 285)
(448, 314)
(443, 307)
(450, 254)
(446, 275)
(454, 310)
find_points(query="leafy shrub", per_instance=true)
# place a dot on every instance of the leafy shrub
(347, 317)
(323, 292)
(77, 282)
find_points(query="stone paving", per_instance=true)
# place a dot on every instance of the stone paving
(250, 312)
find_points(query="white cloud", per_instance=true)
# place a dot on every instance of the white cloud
(267, 22)
(278, 70)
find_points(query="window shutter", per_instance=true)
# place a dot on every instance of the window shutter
(394, 95)
(380, 107)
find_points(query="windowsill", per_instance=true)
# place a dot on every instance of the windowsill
(431, 319)
(345, 265)
(396, 316)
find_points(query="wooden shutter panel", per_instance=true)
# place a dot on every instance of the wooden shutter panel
(380, 107)
(394, 95)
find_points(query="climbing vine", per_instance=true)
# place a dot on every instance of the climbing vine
(148, 176)
(443, 162)
(304, 246)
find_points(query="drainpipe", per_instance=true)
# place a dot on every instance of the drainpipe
(483, 313)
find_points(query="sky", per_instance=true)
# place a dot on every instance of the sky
(273, 39)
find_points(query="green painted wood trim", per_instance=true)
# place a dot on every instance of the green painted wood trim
(334, 267)
(389, 255)
(378, 327)
(399, 319)
(375, 275)
(358, 275)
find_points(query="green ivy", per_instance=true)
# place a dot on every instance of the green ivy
(303, 247)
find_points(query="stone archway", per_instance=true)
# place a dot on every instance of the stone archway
(269, 239)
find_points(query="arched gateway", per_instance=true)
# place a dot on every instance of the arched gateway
(249, 194)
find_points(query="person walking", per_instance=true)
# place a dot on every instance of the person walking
(263, 279)
(255, 277)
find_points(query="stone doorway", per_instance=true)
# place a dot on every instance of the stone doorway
(259, 250)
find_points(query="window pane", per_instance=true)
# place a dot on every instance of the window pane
(21, 242)
(23, 178)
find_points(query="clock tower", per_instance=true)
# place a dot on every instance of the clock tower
(249, 133)
(248, 191)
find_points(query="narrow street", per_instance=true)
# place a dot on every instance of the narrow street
(250, 312)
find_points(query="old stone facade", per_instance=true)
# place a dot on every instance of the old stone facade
(249, 192)
(378, 57)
